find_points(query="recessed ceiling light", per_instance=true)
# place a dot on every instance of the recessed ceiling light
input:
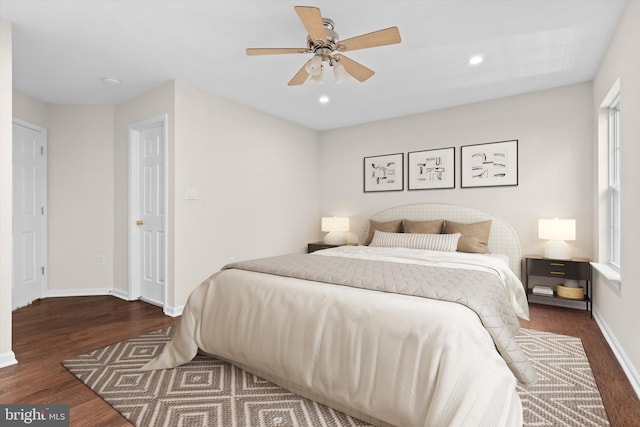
(112, 81)
(324, 99)
(476, 59)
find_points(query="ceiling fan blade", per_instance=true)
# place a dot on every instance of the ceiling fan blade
(312, 21)
(356, 70)
(299, 78)
(274, 51)
(384, 37)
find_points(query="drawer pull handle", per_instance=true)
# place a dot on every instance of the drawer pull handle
(558, 273)
(557, 264)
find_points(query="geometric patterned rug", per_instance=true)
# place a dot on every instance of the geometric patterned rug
(210, 392)
(566, 393)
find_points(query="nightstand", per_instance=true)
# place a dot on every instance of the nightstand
(316, 246)
(312, 247)
(573, 269)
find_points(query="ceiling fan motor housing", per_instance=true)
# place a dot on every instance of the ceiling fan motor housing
(325, 49)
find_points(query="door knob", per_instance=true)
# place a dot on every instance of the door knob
(139, 222)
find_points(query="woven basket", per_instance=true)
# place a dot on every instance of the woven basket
(572, 293)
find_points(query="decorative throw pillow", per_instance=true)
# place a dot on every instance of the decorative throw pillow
(431, 242)
(389, 227)
(423, 227)
(475, 236)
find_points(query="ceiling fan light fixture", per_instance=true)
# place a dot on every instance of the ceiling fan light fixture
(317, 78)
(314, 66)
(324, 99)
(340, 73)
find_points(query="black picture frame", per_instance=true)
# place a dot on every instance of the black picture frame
(431, 169)
(492, 164)
(383, 173)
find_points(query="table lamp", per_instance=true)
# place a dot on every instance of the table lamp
(336, 227)
(557, 231)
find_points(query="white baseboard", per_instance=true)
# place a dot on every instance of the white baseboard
(118, 293)
(51, 293)
(618, 351)
(169, 311)
(174, 311)
(152, 301)
(7, 358)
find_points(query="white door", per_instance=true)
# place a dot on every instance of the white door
(148, 207)
(29, 230)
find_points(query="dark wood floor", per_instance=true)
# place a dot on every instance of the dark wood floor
(54, 329)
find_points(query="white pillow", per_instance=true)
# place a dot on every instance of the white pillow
(432, 242)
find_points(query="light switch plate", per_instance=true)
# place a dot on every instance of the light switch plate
(192, 193)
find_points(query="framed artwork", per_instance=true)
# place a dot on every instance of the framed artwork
(493, 164)
(432, 169)
(384, 173)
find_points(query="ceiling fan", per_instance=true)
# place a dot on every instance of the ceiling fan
(326, 47)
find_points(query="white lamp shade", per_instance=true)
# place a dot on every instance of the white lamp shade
(335, 223)
(314, 68)
(336, 227)
(314, 65)
(557, 229)
(340, 73)
(317, 78)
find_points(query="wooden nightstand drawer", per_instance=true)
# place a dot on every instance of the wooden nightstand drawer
(559, 268)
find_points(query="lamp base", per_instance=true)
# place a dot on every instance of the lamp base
(557, 249)
(335, 238)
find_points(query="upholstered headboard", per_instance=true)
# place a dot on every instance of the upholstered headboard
(502, 240)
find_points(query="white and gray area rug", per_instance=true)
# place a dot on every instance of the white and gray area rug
(209, 392)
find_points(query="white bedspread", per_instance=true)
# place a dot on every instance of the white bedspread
(389, 359)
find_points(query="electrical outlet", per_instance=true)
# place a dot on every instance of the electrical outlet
(101, 260)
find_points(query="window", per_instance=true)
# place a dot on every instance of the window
(609, 225)
(614, 182)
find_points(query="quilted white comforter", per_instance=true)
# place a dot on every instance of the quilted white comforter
(388, 359)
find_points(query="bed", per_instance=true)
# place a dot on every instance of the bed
(395, 336)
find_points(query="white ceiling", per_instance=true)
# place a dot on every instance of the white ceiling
(62, 49)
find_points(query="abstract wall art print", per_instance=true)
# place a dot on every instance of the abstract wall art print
(384, 173)
(431, 169)
(493, 164)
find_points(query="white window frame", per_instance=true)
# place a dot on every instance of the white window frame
(613, 191)
(609, 262)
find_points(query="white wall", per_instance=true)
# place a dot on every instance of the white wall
(30, 109)
(256, 177)
(257, 181)
(6, 190)
(154, 103)
(617, 310)
(79, 193)
(80, 199)
(554, 129)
